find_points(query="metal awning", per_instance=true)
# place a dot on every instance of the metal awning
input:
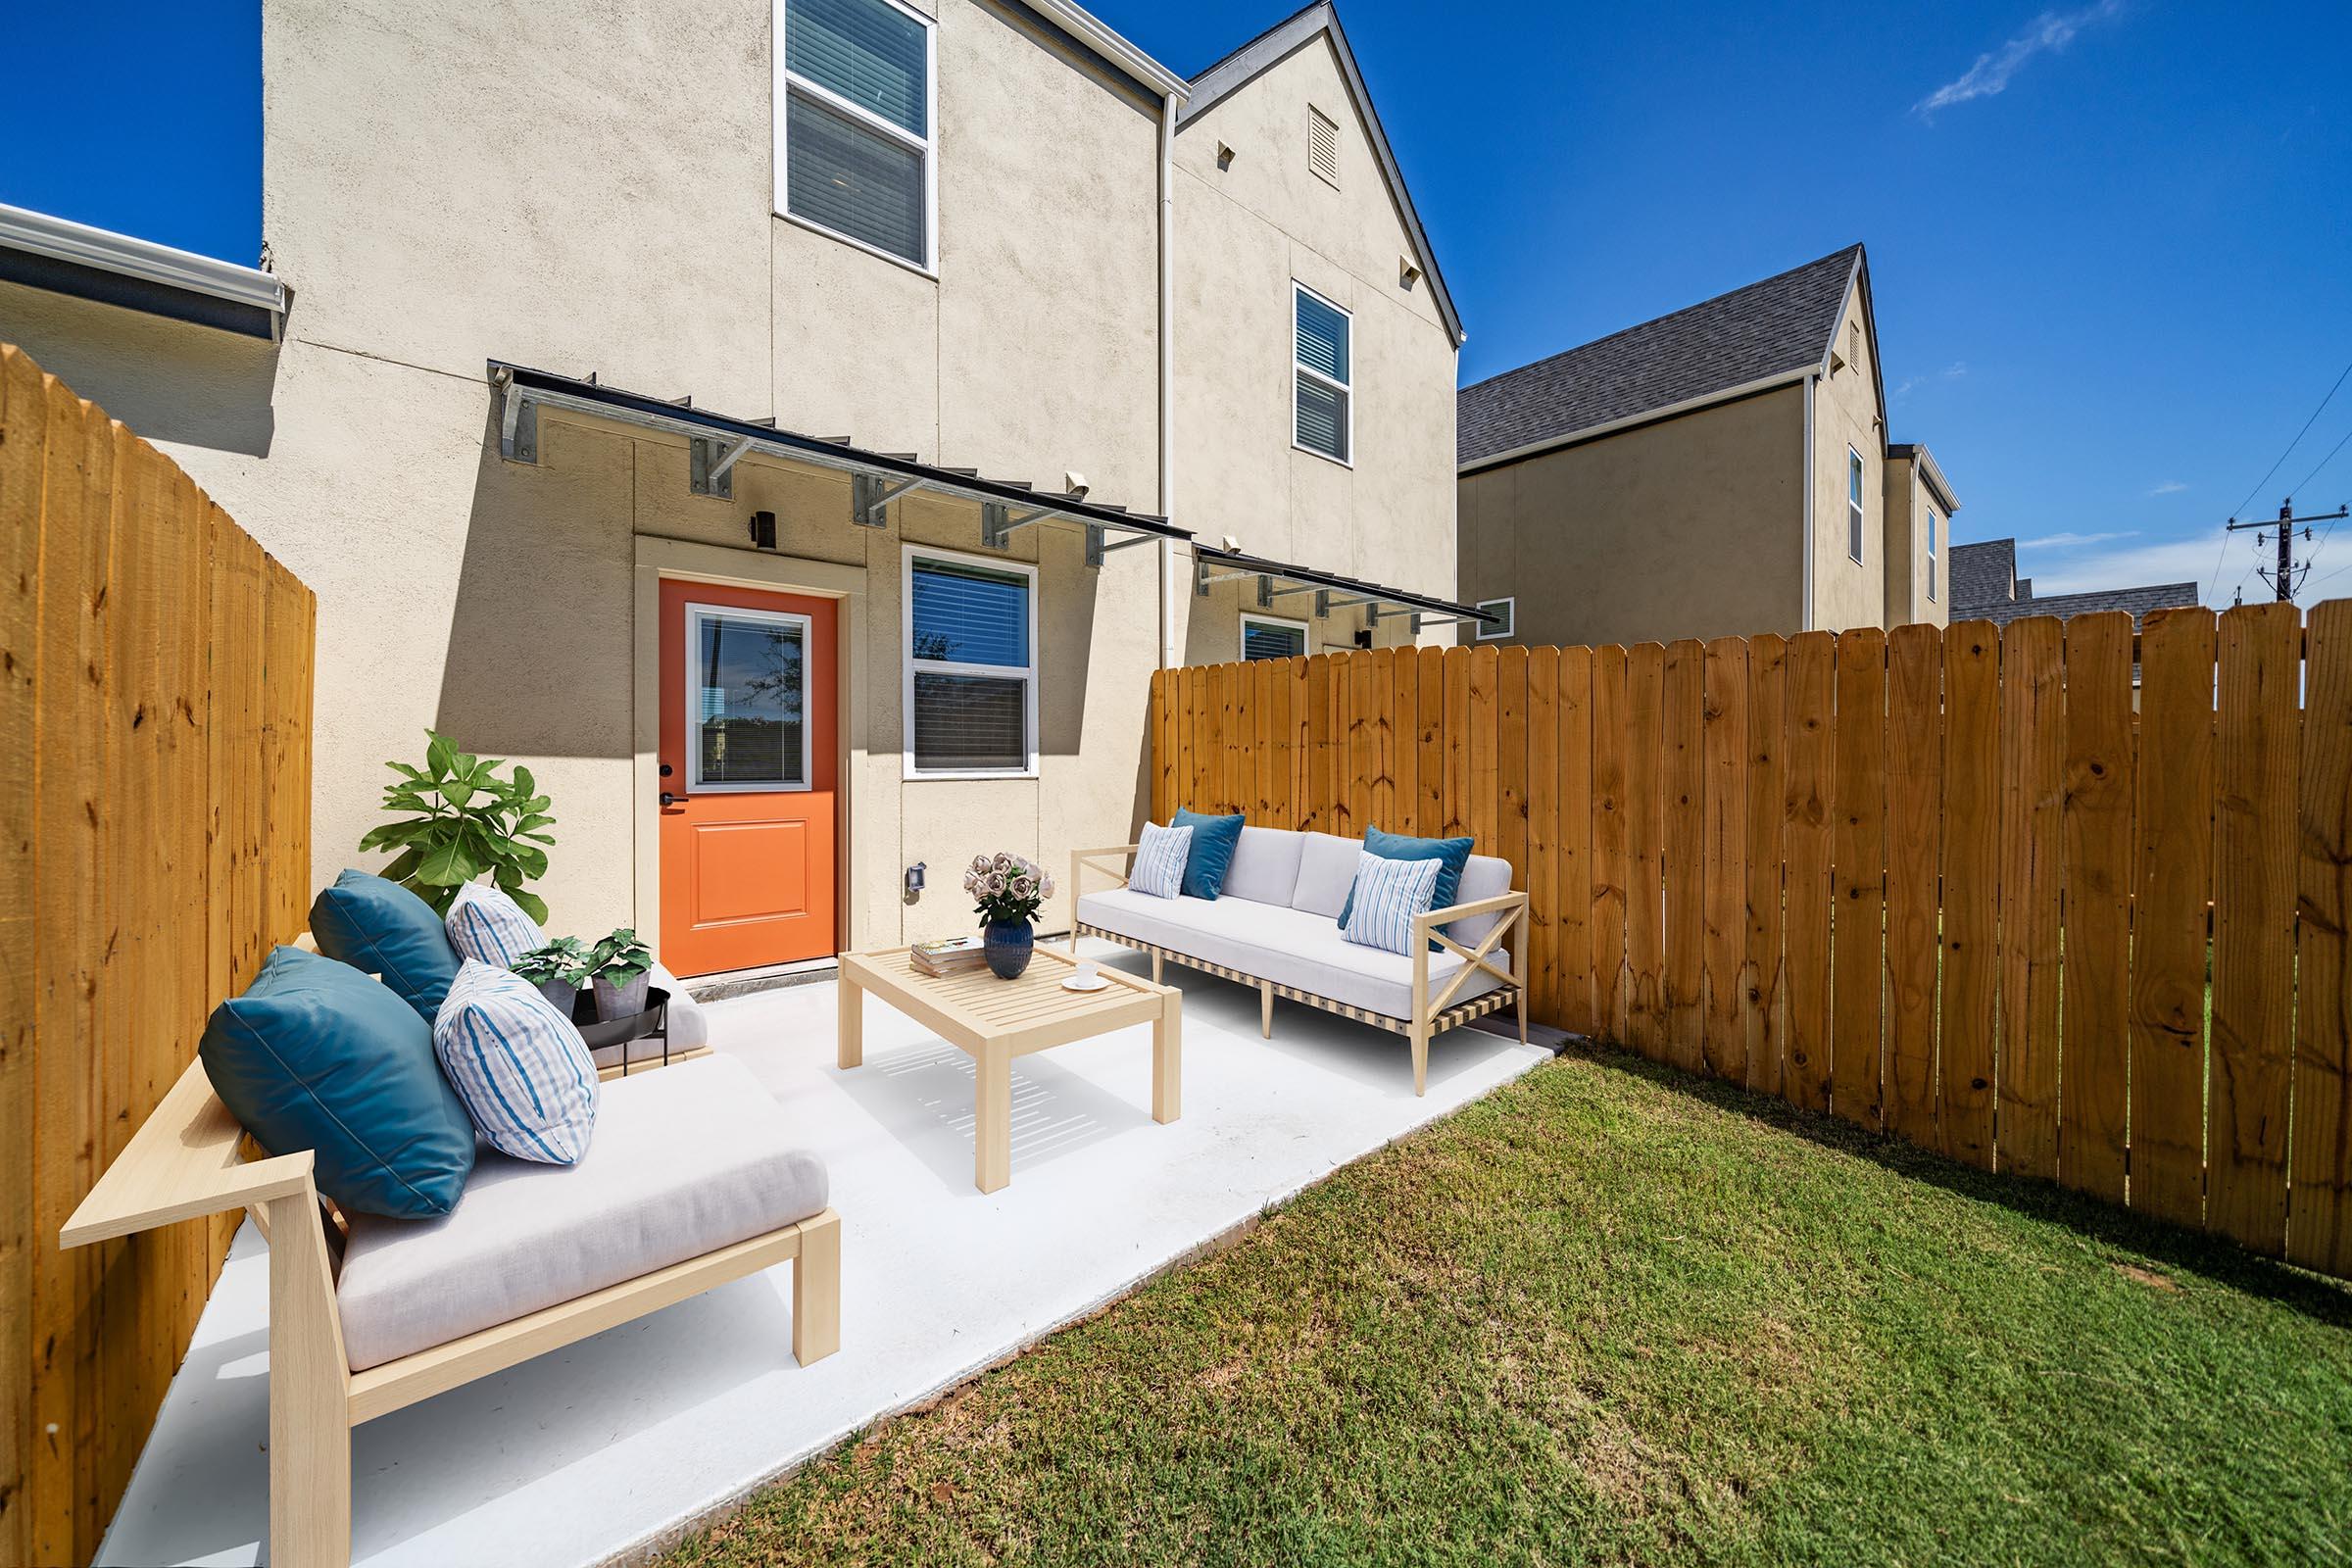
(718, 441)
(1331, 591)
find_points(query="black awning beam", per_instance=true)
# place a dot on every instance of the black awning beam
(1332, 591)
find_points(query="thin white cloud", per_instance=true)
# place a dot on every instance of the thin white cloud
(1950, 372)
(2051, 30)
(2169, 487)
(2075, 571)
(2073, 541)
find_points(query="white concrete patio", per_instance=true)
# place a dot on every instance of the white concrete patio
(592, 1451)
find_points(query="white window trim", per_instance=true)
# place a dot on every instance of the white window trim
(696, 614)
(908, 663)
(1857, 512)
(1250, 617)
(1510, 619)
(1930, 512)
(786, 83)
(1298, 368)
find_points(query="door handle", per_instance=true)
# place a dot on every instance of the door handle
(668, 799)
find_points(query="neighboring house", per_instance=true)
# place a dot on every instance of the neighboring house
(563, 285)
(1986, 586)
(1720, 470)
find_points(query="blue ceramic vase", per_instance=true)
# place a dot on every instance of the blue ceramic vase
(1008, 943)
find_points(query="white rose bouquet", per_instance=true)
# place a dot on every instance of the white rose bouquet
(1005, 888)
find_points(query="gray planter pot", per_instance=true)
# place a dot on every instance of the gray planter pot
(621, 1002)
(561, 995)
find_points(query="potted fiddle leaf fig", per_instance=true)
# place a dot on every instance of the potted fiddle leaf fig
(620, 967)
(460, 821)
(559, 970)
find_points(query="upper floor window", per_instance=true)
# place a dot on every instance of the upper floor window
(1854, 504)
(1323, 146)
(1931, 554)
(970, 695)
(1506, 616)
(1265, 637)
(1322, 402)
(854, 151)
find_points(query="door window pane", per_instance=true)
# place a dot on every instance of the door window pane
(746, 709)
(969, 722)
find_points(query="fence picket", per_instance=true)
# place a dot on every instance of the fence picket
(1723, 978)
(1914, 864)
(2318, 1216)
(1858, 878)
(1612, 861)
(1544, 968)
(1683, 852)
(1578, 981)
(1510, 760)
(2095, 1054)
(1763, 1004)
(1645, 847)
(1809, 786)
(2034, 784)
(2256, 761)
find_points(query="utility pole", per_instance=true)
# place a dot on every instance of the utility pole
(2285, 578)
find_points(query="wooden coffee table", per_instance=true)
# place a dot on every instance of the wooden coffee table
(996, 1020)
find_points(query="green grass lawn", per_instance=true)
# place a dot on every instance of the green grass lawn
(1611, 1314)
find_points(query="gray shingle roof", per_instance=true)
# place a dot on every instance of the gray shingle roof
(1780, 325)
(1982, 574)
(2138, 601)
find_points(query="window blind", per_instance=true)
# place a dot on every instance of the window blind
(854, 180)
(870, 53)
(1322, 338)
(1262, 640)
(970, 616)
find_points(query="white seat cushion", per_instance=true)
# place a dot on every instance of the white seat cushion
(1296, 948)
(1266, 866)
(686, 1159)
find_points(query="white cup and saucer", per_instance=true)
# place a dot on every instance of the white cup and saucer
(1087, 976)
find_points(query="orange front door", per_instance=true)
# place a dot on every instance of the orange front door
(748, 777)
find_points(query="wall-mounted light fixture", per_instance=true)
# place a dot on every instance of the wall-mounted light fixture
(764, 530)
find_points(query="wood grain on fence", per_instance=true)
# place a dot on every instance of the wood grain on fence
(154, 704)
(1967, 884)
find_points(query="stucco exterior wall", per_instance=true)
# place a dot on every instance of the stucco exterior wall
(1910, 594)
(1245, 232)
(1845, 417)
(1682, 528)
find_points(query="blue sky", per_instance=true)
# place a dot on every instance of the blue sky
(2112, 242)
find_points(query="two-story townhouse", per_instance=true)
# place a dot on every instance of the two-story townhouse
(1722, 470)
(784, 424)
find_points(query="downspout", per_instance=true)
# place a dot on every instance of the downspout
(1804, 612)
(1167, 378)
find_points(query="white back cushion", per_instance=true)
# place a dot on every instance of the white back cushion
(1266, 866)
(1483, 877)
(1326, 871)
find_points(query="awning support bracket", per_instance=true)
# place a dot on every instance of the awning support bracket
(871, 496)
(998, 520)
(708, 465)
(517, 425)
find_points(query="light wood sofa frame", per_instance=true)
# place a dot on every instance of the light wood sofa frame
(1431, 1015)
(187, 1163)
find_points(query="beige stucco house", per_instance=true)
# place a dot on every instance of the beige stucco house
(1724, 469)
(785, 424)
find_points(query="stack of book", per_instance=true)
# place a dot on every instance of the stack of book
(953, 955)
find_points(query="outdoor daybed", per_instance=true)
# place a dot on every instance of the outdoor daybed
(1274, 925)
(693, 1180)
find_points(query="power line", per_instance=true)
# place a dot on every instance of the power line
(2291, 445)
(2324, 461)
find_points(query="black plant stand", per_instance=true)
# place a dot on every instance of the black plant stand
(623, 1032)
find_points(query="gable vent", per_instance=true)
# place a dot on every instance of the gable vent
(1322, 146)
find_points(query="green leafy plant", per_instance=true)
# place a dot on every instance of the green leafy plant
(621, 959)
(566, 960)
(463, 821)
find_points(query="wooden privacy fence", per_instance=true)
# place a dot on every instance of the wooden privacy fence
(1944, 883)
(155, 715)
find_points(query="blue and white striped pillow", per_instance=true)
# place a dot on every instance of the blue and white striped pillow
(519, 1066)
(1388, 894)
(489, 927)
(1160, 861)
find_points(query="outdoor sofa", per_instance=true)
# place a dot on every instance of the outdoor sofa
(1275, 925)
(693, 1179)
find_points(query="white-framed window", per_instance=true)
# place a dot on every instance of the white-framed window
(970, 693)
(1931, 554)
(1853, 505)
(746, 699)
(1506, 612)
(1322, 385)
(856, 110)
(1273, 637)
